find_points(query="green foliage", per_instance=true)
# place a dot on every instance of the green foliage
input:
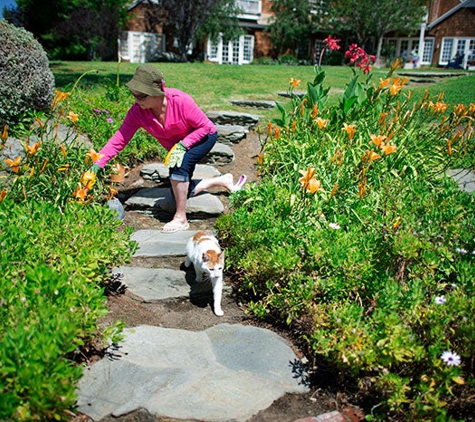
(26, 82)
(356, 233)
(292, 26)
(59, 243)
(75, 29)
(52, 267)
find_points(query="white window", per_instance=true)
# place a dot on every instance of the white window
(428, 50)
(140, 47)
(460, 47)
(240, 51)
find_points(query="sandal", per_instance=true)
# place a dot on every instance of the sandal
(174, 226)
(240, 183)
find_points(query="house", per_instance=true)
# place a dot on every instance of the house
(142, 41)
(448, 31)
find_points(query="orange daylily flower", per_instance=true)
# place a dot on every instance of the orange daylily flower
(370, 156)
(395, 88)
(269, 128)
(93, 155)
(321, 122)
(294, 83)
(460, 110)
(4, 133)
(314, 185)
(362, 188)
(260, 159)
(59, 97)
(80, 193)
(32, 150)
(384, 83)
(294, 126)
(350, 130)
(73, 116)
(438, 107)
(3, 193)
(307, 176)
(388, 149)
(277, 133)
(44, 166)
(88, 179)
(378, 140)
(471, 109)
(14, 164)
(315, 111)
(63, 150)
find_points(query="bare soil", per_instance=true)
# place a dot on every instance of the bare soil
(182, 314)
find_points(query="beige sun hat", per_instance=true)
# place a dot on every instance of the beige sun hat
(147, 80)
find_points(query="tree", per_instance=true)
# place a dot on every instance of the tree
(366, 19)
(292, 27)
(74, 29)
(188, 20)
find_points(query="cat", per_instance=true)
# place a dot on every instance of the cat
(204, 252)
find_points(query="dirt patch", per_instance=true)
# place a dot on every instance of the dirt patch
(183, 314)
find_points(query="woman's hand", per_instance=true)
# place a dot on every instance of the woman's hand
(175, 156)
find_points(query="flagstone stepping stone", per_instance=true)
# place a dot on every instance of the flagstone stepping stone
(156, 284)
(233, 118)
(225, 373)
(159, 172)
(154, 243)
(220, 154)
(254, 103)
(464, 178)
(231, 134)
(161, 199)
(287, 93)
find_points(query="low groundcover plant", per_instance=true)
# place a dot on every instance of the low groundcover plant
(357, 237)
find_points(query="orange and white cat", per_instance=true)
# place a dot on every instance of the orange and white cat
(204, 252)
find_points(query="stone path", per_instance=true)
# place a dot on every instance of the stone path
(228, 372)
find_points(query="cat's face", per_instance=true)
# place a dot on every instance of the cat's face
(213, 263)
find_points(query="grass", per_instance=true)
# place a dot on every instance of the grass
(214, 86)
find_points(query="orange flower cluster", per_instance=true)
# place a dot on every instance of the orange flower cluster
(380, 142)
(309, 181)
(394, 85)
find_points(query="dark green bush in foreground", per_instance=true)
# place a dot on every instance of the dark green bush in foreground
(26, 81)
(358, 237)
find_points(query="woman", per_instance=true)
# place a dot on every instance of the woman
(174, 119)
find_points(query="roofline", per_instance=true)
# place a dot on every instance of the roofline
(463, 4)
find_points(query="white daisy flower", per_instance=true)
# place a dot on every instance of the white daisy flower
(451, 358)
(440, 300)
(334, 226)
(461, 250)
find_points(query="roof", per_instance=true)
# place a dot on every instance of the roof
(463, 4)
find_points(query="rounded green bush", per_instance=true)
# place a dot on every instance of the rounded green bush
(26, 81)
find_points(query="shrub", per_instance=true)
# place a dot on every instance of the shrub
(358, 238)
(59, 243)
(26, 82)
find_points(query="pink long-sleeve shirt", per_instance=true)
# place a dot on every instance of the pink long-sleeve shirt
(184, 121)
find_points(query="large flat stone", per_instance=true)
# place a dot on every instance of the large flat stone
(225, 373)
(154, 243)
(162, 199)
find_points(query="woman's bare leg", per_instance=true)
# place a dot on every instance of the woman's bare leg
(225, 181)
(180, 192)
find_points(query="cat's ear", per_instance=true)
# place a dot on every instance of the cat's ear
(205, 257)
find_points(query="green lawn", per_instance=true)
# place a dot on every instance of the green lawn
(214, 86)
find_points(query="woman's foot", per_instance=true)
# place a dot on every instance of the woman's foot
(175, 226)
